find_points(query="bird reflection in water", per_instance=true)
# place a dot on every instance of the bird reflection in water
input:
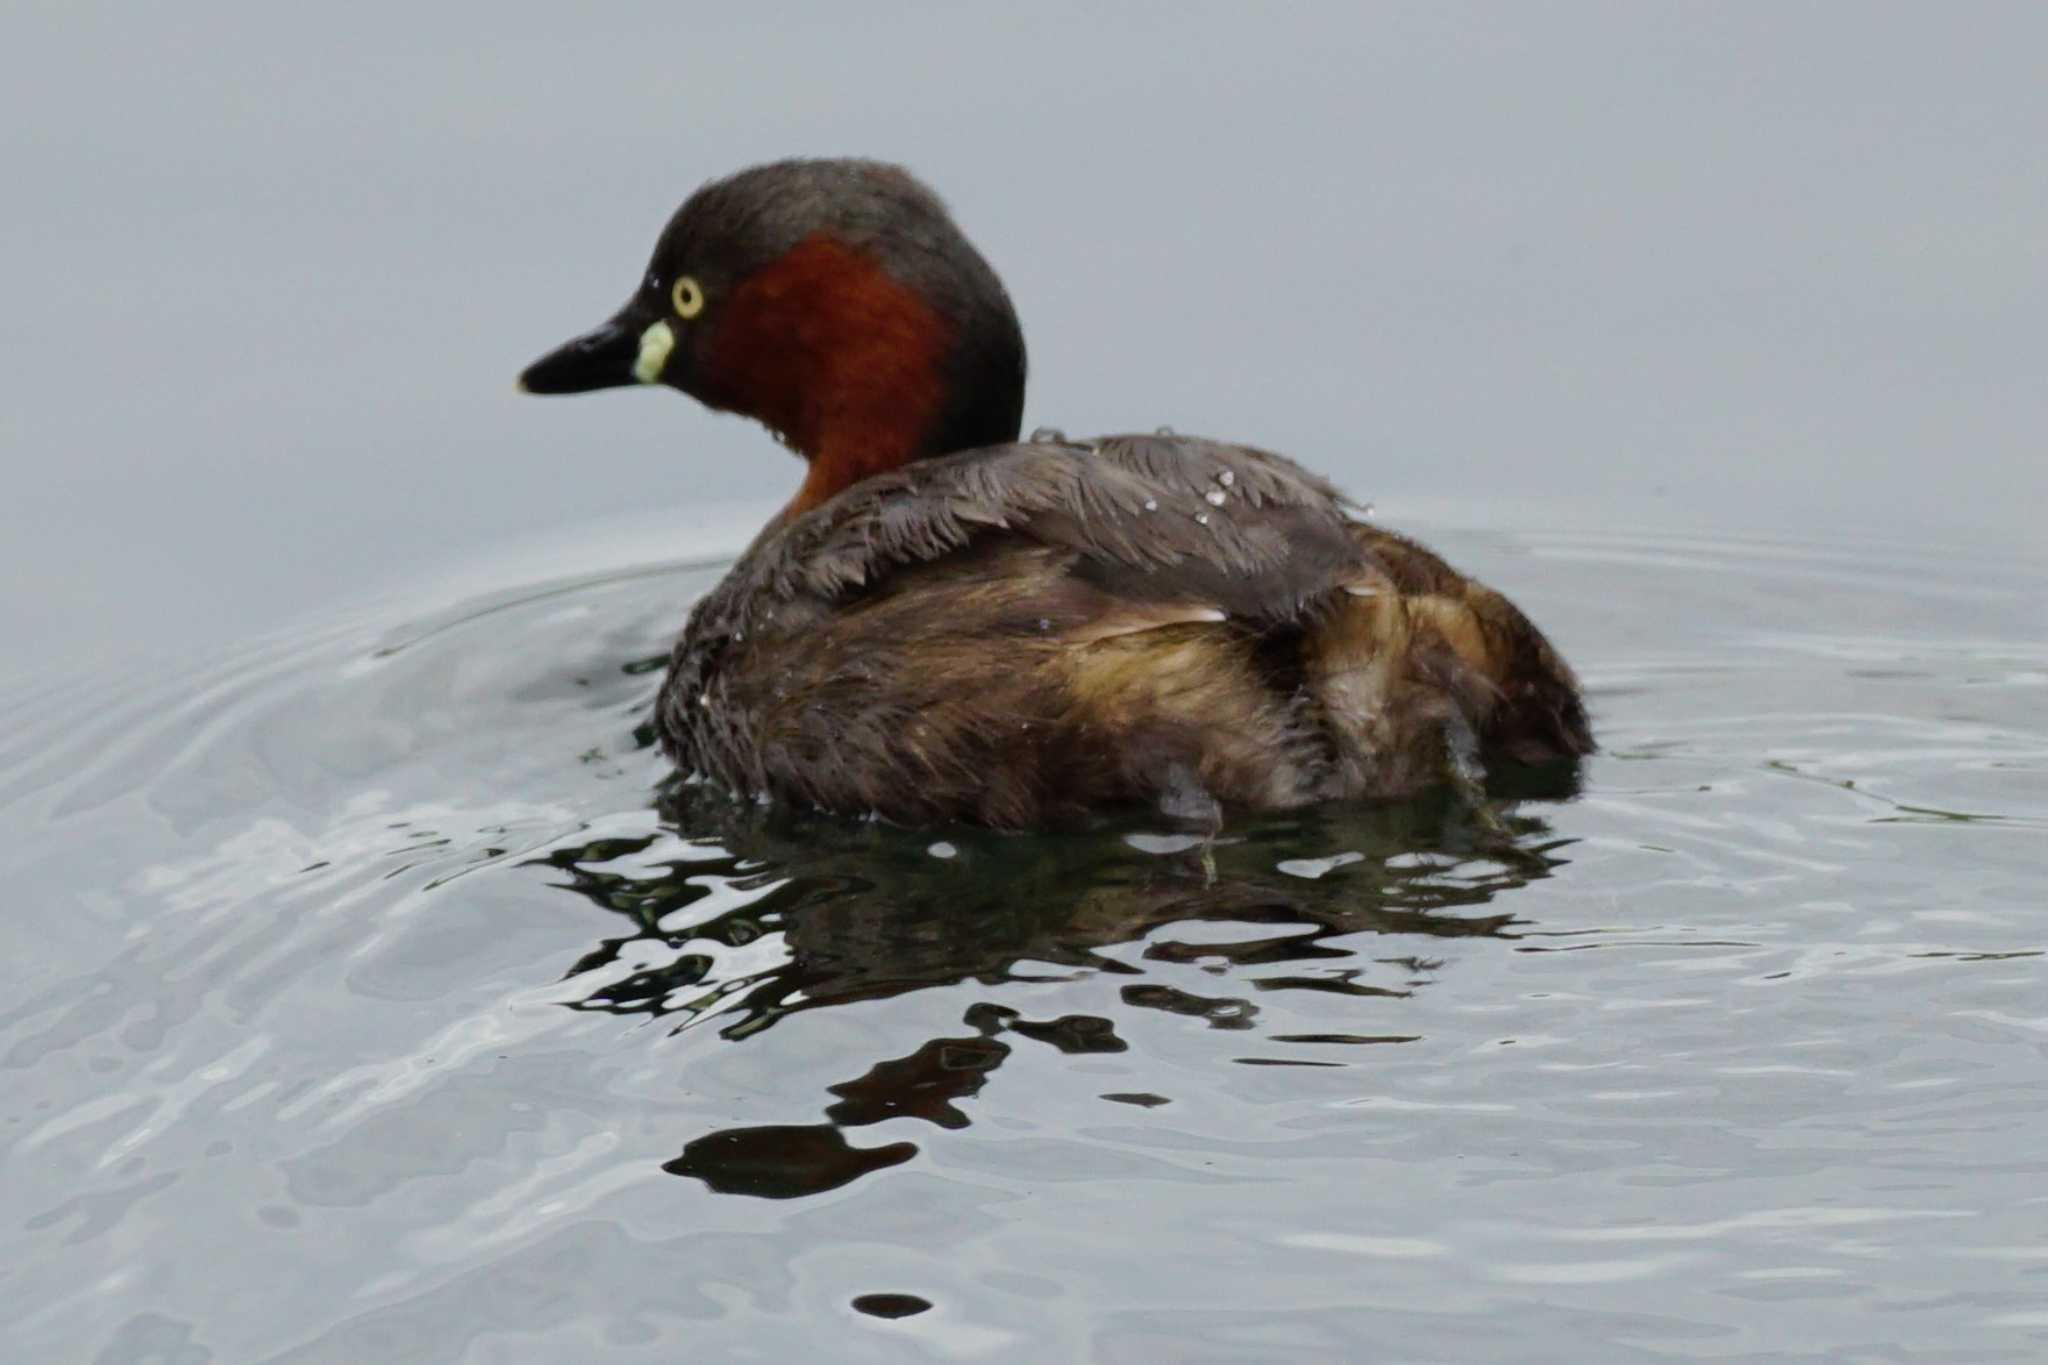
(738, 916)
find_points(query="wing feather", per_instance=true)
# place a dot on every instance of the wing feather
(1156, 518)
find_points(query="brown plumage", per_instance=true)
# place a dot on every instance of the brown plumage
(1020, 635)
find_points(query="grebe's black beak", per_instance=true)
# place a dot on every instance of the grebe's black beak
(632, 348)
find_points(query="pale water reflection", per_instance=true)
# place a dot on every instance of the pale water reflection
(392, 1006)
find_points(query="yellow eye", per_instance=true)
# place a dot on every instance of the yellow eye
(688, 296)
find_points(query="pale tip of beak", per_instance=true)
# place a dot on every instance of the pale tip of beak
(519, 385)
(655, 344)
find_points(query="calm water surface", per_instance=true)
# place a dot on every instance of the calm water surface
(369, 997)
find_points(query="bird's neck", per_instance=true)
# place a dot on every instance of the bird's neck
(858, 373)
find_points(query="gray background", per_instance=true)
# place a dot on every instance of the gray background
(270, 269)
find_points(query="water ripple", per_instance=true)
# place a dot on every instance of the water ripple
(379, 960)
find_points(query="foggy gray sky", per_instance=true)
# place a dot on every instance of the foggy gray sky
(271, 269)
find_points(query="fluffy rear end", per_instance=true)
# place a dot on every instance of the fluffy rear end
(1414, 666)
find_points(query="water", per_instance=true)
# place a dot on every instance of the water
(368, 997)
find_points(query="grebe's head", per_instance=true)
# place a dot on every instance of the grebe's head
(836, 302)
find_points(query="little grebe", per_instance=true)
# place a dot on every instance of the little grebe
(947, 624)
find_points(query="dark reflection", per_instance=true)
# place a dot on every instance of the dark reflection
(1229, 1012)
(1358, 1039)
(920, 1086)
(755, 914)
(782, 1161)
(890, 1305)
